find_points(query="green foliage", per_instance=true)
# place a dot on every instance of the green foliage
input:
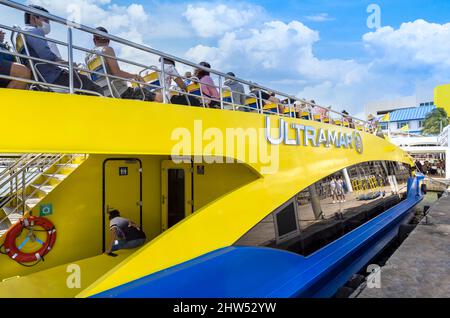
(435, 121)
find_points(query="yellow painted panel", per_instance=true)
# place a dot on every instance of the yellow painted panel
(206, 187)
(117, 127)
(442, 97)
(96, 64)
(52, 283)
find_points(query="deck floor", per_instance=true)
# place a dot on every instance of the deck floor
(420, 268)
(52, 283)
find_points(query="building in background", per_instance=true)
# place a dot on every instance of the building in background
(402, 121)
(407, 120)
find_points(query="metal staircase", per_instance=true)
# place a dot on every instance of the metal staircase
(26, 181)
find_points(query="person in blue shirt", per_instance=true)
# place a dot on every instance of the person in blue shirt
(4, 48)
(40, 48)
(9, 68)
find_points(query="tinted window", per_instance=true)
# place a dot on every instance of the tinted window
(331, 207)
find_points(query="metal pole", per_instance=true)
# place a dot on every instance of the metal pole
(70, 59)
(23, 191)
(260, 101)
(163, 77)
(347, 180)
(221, 92)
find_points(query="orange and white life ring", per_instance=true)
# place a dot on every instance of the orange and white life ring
(14, 251)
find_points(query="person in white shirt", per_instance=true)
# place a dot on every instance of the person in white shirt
(171, 74)
(334, 190)
(340, 190)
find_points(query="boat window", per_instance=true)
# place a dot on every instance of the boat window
(331, 207)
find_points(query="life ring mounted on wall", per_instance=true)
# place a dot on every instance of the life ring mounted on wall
(32, 225)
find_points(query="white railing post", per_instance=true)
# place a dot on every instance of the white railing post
(220, 91)
(163, 79)
(70, 59)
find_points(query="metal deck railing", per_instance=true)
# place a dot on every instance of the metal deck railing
(283, 104)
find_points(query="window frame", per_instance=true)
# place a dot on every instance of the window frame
(399, 124)
(284, 238)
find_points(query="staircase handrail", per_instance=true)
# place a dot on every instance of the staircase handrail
(23, 203)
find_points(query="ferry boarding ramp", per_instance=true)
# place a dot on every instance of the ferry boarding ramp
(112, 152)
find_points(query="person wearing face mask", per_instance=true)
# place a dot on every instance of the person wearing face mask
(41, 48)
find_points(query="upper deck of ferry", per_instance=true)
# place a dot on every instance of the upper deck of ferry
(148, 74)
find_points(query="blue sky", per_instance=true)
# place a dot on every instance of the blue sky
(315, 49)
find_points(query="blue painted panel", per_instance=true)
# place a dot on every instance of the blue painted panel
(252, 272)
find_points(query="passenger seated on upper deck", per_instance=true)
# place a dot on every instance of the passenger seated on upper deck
(171, 74)
(318, 113)
(348, 119)
(266, 98)
(9, 68)
(187, 80)
(119, 88)
(124, 233)
(209, 90)
(5, 50)
(237, 90)
(40, 48)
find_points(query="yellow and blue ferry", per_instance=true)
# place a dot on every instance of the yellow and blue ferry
(233, 203)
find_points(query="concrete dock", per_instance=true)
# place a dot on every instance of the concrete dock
(421, 266)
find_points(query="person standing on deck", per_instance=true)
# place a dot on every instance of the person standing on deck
(334, 190)
(340, 190)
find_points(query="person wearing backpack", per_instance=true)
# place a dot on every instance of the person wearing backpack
(124, 233)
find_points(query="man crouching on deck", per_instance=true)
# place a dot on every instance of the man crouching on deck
(124, 233)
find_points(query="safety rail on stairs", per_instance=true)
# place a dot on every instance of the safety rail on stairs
(16, 178)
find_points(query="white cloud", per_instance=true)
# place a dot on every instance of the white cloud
(94, 12)
(279, 49)
(321, 17)
(261, 48)
(402, 61)
(214, 20)
(414, 44)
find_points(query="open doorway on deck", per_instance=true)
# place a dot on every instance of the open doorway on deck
(122, 190)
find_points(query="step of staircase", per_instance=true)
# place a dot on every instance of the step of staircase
(32, 202)
(12, 217)
(70, 165)
(46, 189)
(56, 176)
